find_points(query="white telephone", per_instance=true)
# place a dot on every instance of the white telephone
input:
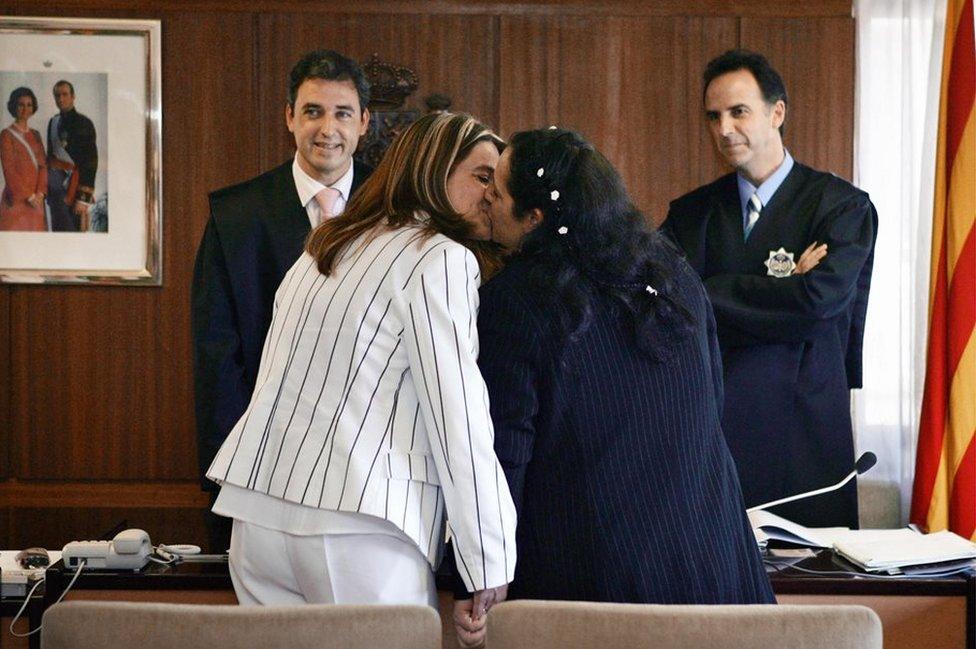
(129, 550)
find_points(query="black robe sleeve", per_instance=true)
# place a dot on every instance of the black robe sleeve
(755, 309)
(221, 390)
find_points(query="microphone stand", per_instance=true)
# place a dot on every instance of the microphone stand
(816, 492)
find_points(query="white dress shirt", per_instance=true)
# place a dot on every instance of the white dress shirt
(369, 400)
(308, 187)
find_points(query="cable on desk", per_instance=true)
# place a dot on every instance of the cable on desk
(27, 600)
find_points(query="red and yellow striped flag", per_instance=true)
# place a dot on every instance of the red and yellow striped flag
(945, 470)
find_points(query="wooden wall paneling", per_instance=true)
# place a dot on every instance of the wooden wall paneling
(102, 383)
(53, 527)
(638, 101)
(815, 56)
(702, 40)
(451, 54)
(500, 7)
(207, 145)
(591, 81)
(528, 73)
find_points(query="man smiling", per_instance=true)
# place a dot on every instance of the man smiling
(256, 232)
(786, 253)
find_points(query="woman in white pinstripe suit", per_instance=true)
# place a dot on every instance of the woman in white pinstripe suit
(370, 417)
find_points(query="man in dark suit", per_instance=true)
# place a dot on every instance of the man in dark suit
(72, 159)
(256, 232)
(785, 252)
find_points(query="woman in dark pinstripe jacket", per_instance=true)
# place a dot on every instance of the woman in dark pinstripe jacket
(598, 348)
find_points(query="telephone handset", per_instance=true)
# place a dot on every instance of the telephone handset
(129, 550)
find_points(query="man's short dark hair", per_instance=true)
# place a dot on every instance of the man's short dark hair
(770, 83)
(330, 65)
(15, 99)
(62, 82)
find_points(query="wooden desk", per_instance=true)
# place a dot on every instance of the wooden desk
(29, 620)
(931, 613)
(934, 613)
(189, 582)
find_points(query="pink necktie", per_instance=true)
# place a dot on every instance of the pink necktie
(326, 198)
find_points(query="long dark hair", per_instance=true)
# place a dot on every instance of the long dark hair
(593, 241)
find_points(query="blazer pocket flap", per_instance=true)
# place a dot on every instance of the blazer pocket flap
(402, 465)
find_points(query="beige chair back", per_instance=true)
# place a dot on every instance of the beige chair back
(584, 625)
(124, 625)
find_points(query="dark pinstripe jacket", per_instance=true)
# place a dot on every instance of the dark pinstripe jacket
(624, 487)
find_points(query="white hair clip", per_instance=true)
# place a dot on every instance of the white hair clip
(553, 127)
(540, 172)
(562, 230)
(554, 195)
(650, 289)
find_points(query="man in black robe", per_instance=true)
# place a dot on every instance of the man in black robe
(256, 231)
(785, 252)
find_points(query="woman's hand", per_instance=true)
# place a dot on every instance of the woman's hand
(471, 615)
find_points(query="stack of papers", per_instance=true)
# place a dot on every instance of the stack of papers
(903, 548)
(762, 539)
(767, 526)
(870, 550)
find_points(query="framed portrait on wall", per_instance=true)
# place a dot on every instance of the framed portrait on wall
(80, 151)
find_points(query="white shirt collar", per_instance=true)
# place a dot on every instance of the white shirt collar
(308, 187)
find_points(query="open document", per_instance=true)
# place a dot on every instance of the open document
(870, 550)
(903, 548)
(769, 526)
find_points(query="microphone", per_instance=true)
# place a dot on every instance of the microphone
(863, 465)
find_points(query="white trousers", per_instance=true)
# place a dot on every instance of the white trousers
(269, 567)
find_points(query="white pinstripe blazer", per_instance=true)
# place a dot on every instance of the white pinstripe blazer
(369, 400)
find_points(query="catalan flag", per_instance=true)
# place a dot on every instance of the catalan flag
(944, 494)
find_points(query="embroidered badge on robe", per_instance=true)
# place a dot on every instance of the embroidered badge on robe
(780, 263)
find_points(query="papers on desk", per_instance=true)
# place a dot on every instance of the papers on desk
(773, 527)
(903, 548)
(14, 578)
(762, 539)
(870, 550)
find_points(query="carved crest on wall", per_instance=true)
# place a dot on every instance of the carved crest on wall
(391, 85)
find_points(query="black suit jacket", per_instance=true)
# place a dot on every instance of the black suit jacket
(256, 231)
(791, 346)
(78, 134)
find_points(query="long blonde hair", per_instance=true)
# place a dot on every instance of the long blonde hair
(410, 179)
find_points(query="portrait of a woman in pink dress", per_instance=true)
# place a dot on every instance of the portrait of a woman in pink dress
(24, 167)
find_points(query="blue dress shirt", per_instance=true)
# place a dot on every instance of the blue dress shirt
(765, 190)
